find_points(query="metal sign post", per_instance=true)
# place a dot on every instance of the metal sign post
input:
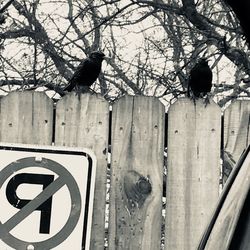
(46, 197)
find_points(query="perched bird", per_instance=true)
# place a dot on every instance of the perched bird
(86, 73)
(242, 9)
(200, 80)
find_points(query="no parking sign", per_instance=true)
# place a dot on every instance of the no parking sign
(46, 197)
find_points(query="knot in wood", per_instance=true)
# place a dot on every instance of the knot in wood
(136, 188)
(144, 186)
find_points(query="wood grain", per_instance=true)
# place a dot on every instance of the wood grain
(236, 133)
(84, 122)
(26, 117)
(137, 171)
(193, 171)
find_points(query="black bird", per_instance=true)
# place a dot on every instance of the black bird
(200, 80)
(86, 73)
(242, 9)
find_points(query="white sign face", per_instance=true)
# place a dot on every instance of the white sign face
(46, 197)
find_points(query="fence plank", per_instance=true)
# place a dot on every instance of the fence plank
(194, 133)
(84, 122)
(26, 117)
(137, 169)
(236, 133)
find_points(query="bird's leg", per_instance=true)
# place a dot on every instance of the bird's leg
(188, 91)
(83, 89)
(207, 99)
(193, 98)
(79, 95)
(78, 91)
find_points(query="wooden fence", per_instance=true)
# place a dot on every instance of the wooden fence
(137, 145)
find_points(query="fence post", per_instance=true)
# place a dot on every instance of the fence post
(84, 122)
(194, 135)
(236, 133)
(137, 172)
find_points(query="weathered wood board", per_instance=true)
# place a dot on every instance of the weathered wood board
(193, 171)
(84, 122)
(236, 133)
(137, 172)
(26, 117)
